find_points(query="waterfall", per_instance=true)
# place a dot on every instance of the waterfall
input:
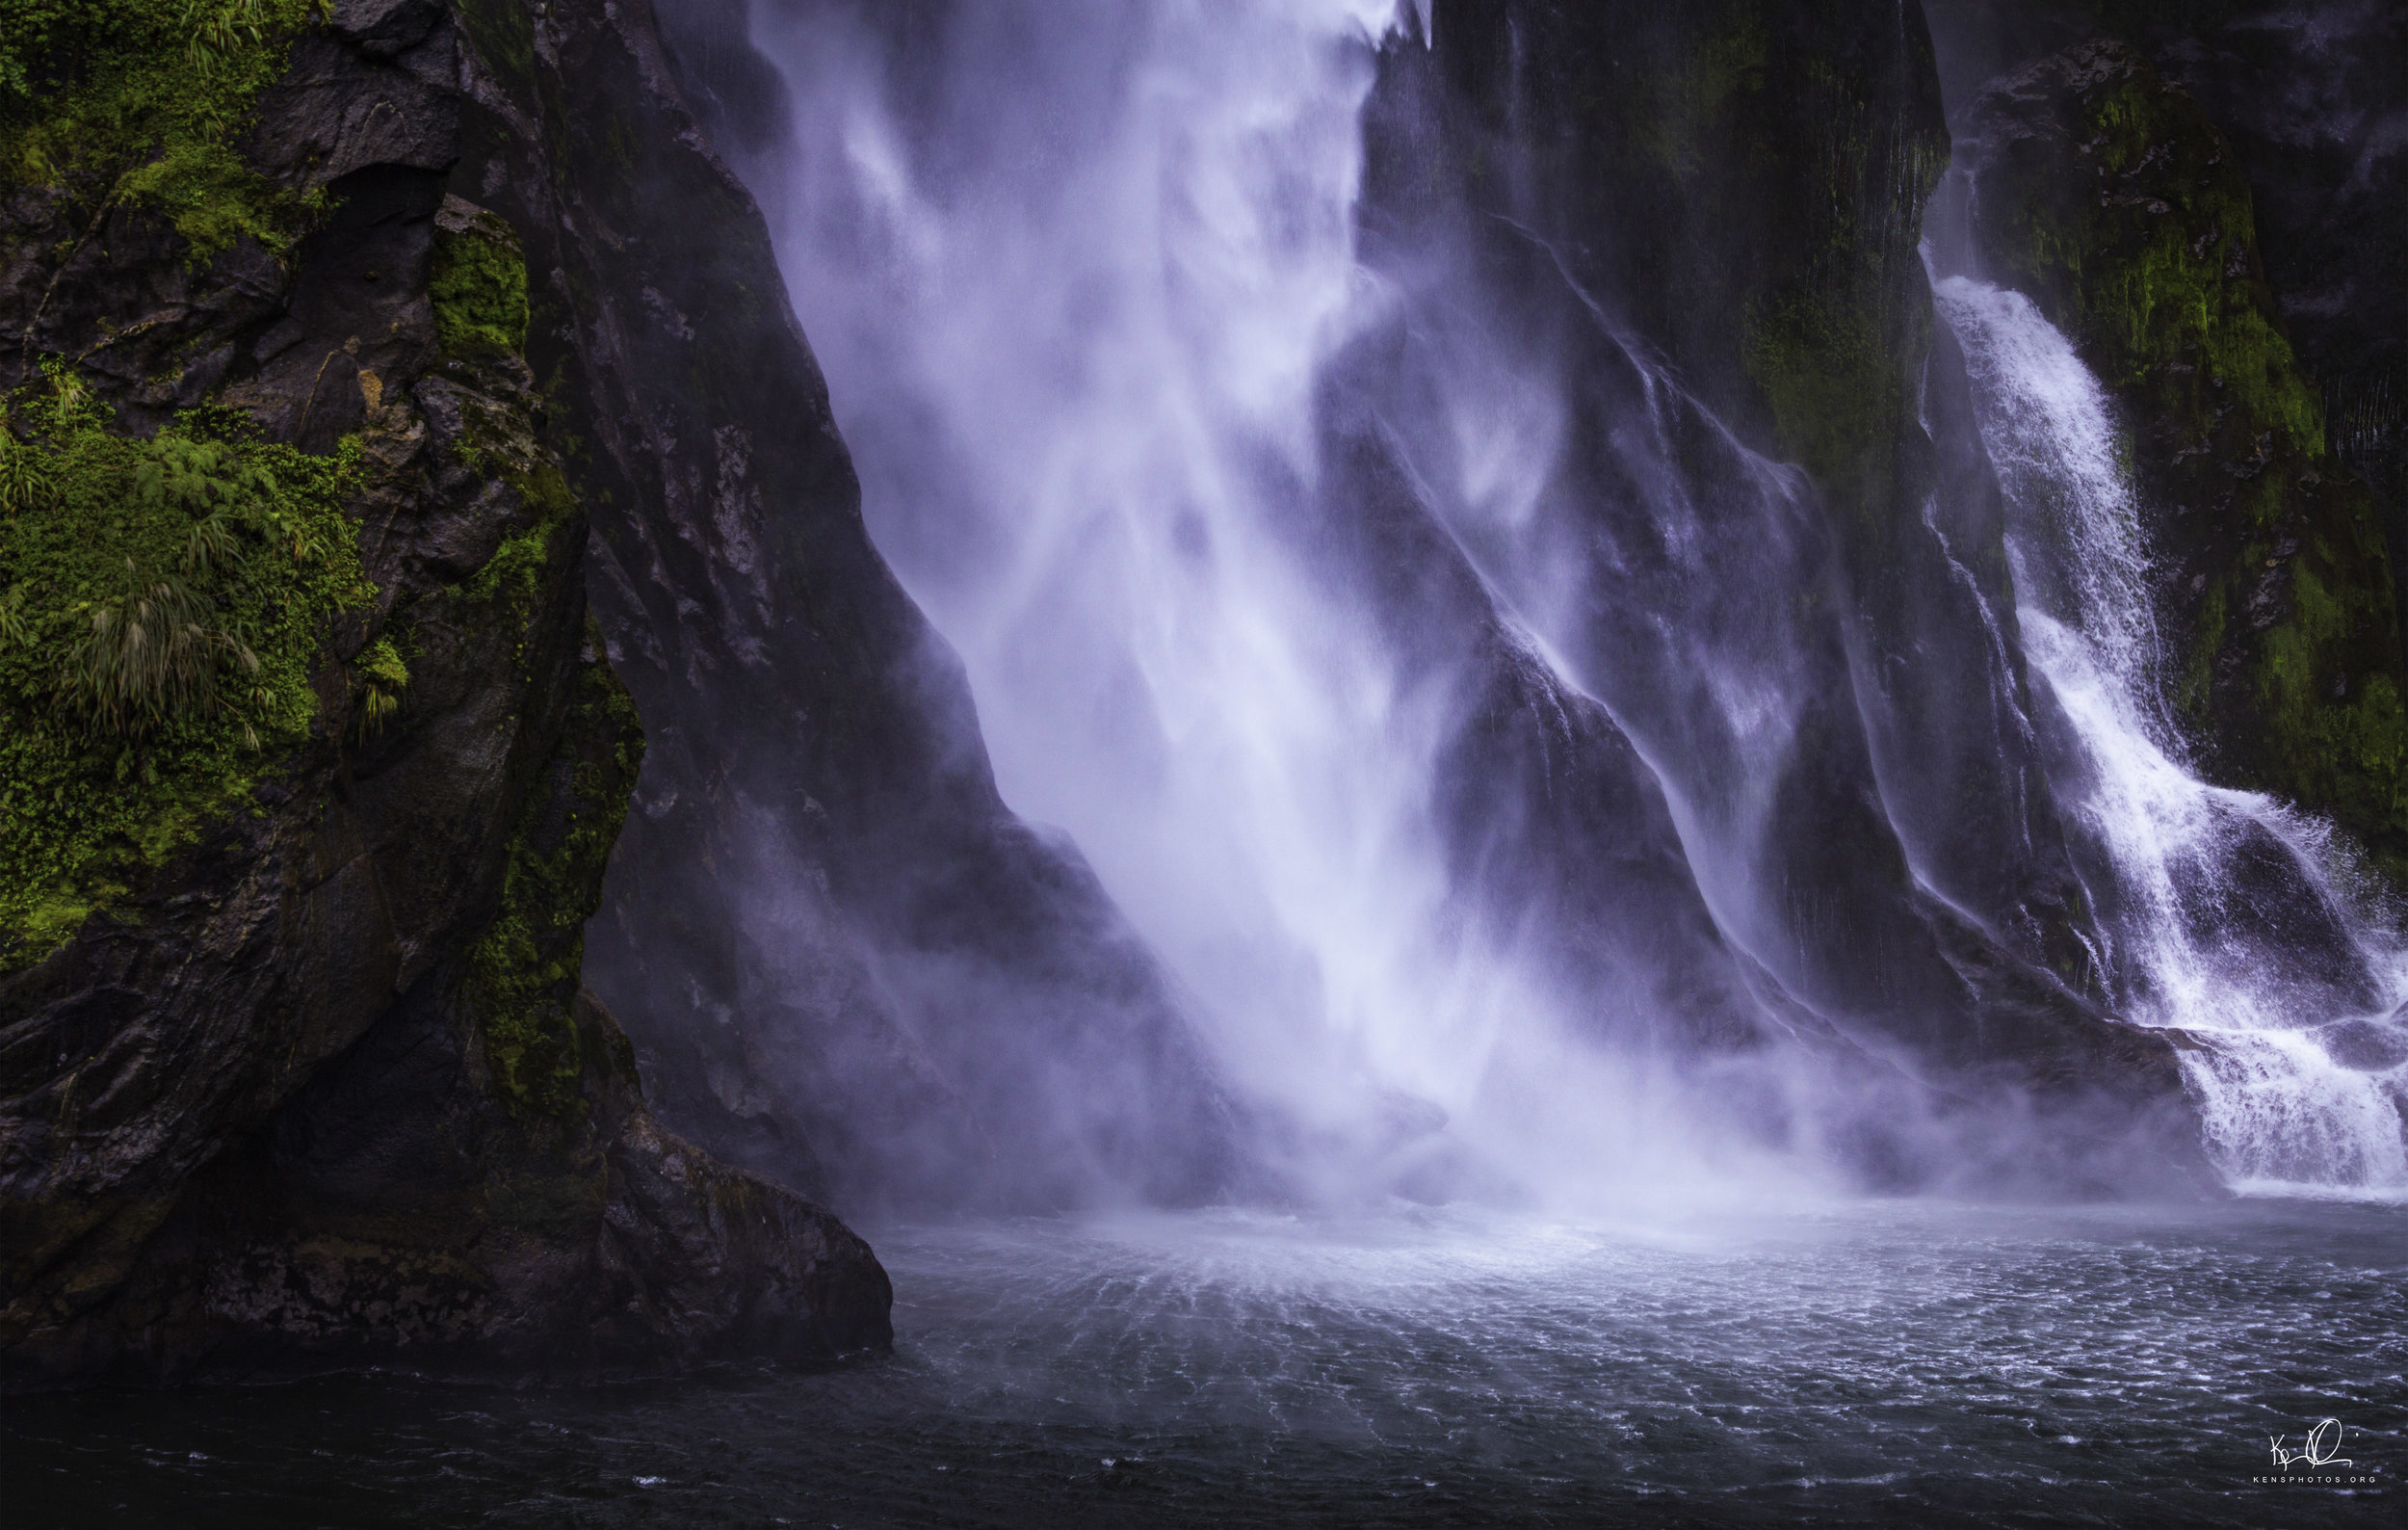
(2300, 1074)
(1453, 703)
(1080, 273)
(1074, 311)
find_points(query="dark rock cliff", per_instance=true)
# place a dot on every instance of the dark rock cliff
(313, 1082)
(1705, 220)
(824, 923)
(2311, 101)
(307, 1056)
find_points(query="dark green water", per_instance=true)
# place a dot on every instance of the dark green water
(1882, 1365)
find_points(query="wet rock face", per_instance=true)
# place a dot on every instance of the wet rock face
(1701, 219)
(2314, 100)
(390, 1216)
(850, 964)
(2104, 191)
(1703, 223)
(323, 1089)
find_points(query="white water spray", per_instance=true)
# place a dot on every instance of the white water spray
(1077, 270)
(1075, 318)
(2299, 1088)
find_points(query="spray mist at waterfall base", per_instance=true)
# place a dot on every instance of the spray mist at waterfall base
(1854, 1363)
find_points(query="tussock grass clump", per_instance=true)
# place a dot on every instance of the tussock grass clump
(151, 657)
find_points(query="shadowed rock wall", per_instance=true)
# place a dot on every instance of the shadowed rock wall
(322, 1087)
(849, 958)
(1704, 224)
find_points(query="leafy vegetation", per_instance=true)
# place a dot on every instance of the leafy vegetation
(164, 603)
(497, 442)
(139, 103)
(2164, 299)
(381, 677)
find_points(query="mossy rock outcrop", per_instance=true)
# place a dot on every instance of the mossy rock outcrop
(301, 1074)
(2107, 196)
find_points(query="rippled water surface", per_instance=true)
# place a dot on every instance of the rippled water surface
(1895, 1363)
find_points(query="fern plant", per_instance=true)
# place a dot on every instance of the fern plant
(221, 30)
(23, 477)
(154, 653)
(141, 103)
(381, 677)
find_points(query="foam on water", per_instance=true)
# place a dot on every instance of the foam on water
(2201, 942)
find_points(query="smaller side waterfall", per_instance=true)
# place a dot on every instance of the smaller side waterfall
(2228, 919)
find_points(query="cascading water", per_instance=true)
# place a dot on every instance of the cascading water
(1285, 587)
(1076, 334)
(1077, 282)
(2223, 900)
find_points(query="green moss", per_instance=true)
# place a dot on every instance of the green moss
(523, 971)
(516, 573)
(141, 103)
(521, 998)
(503, 34)
(1835, 394)
(126, 733)
(2344, 750)
(1824, 346)
(496, 442)
(380, 664)
(2163, 299)
(479, 289)
(2195, 690)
